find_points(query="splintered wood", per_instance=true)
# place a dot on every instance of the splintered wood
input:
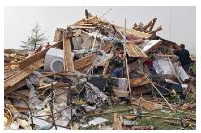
(68, 60)
(58, 34)
(134, 51)
(117, 122)
(32, 59)
(146, 104)
(84, 62)
(139, 81)
(13, 80)
(134, 32)
(88, 60)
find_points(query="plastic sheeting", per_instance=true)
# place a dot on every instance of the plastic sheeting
(166, 67)
(162, 66)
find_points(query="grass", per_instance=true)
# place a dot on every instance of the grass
(158, 124)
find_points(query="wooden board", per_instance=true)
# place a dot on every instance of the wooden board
(15, 87)
(38, 49)
(58, 35)
(32, 59)
(68, 61)
(117, 122)
(146, 104)
(88, 60)
(141, 90)
(13, 80)
(134, 32)
(37, 56)
(134, 51)
(139, 81)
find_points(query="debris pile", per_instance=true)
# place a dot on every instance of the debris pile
(94, 65)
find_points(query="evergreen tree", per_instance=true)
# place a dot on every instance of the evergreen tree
(36, 38)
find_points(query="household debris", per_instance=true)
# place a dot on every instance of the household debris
(95, 65)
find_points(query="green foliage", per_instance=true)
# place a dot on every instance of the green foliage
(193, 68)
(190, 98)
(36, 38)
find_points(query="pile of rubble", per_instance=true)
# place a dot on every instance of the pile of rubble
(93, 64)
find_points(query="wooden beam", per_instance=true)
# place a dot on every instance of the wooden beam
(128, 76)
(139, 81)
(158, 29)
(117, 122)
(32, 59)
(134, 51)
(86, 14)
(13, 80)
(15, 87)
(68, 60)
(149, 24)
(12, 63)
(36, 57)
(152, 24)
(58, 35)
(88, 60)
(38, 49)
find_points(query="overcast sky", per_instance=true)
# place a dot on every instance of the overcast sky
(178, 23)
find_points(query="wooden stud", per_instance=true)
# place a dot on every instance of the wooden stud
(68, 60)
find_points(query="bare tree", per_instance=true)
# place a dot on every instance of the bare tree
(36, 38)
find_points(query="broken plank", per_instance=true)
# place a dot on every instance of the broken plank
(15, 87)
(58, 34)
(38, 49)
(88, 60)
(152, 24)
(134, 32)
(128, 76)
(13, 80)
(68, 61)
(32, 59)
(146, 104)
(139, 81)
(36, 57)
(141, 90)
(148, 25)
(134, 51)
(117, 122)
(12, 63)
